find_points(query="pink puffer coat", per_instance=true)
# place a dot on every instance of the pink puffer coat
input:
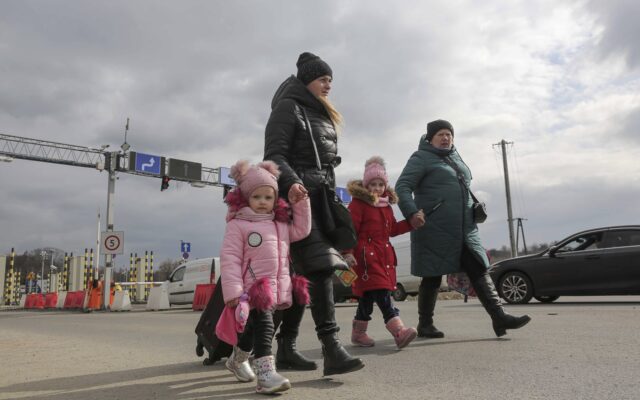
(254, 248)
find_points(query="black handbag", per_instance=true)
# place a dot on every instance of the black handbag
(479, 208)
(336, 219)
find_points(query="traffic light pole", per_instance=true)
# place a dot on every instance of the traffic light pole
(108, 258)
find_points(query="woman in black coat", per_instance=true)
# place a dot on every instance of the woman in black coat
(301, 105)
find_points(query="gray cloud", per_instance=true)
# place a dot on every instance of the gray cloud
(621, 29)
(197, 77)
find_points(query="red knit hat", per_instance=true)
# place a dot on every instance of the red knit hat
(374, 169)
(250, 177)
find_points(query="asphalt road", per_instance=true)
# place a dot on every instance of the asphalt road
(577, 348)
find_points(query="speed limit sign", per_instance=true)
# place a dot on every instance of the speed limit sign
(112, 242)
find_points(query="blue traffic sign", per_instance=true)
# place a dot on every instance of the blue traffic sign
(185, 247)
(148, 164)
(344, 196)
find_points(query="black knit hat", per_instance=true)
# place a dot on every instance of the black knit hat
(434, 126)
(311, 67)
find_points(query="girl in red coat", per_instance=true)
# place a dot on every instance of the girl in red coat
(373, 258)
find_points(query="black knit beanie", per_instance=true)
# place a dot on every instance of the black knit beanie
(311, 67)
(434, 126)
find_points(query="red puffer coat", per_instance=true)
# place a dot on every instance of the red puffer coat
(376, 257)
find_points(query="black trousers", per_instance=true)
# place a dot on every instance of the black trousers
(258, 333)
(382, 298)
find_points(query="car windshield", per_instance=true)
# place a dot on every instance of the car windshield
(584, 242)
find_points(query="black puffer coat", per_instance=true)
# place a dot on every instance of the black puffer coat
(287, 143)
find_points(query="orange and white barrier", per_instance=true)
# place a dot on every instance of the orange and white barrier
(50, 300)
(201, 297)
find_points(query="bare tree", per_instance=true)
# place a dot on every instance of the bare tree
(165, 269)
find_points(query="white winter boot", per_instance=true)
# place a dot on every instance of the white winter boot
(269, 380)
(238, 364)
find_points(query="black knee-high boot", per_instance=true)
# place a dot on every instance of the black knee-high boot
(427, 297)
(488, 296)
(336, 359)
(287, 356)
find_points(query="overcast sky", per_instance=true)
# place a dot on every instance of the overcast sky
(559, 79)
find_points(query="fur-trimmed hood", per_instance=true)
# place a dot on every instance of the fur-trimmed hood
(357, 190)
(236, 202)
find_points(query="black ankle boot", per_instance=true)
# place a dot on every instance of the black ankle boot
(288, 357)
(429, 331)
(506, 321)
(427, 297)
(336, 358)
(489, 298)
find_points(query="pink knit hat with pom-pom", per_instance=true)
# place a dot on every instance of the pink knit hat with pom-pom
(374, 169)
(250, 177)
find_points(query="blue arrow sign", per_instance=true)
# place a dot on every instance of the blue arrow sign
(344, 196)
(185, 247)
(147, 163)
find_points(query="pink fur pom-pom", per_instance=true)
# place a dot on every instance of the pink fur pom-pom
(235, 200)
(300, 286)
(374, 160)
(239, 169)
(260, 295)
(271, 167)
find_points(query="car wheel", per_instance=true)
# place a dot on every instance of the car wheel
(546, 299)
(515, 288)
(399, 294)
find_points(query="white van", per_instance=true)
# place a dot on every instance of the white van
(407, 284)
(183, 280)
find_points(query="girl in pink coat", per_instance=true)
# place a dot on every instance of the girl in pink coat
(254, 266)
(374, 259)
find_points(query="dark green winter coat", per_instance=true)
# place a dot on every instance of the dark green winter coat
(425, 181)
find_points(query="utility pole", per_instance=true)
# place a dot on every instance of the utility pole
(520, 229)
(512, 239)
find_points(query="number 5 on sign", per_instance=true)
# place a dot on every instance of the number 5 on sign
(112, 242)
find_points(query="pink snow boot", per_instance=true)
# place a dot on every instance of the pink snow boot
(359, 335)
(403, 336)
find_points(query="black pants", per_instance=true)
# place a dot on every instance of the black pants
(322, 308)
(258, 333)
(382, 298)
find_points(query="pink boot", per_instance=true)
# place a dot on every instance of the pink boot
(359, 335)
(403, 336)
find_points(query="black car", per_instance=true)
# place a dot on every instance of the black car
(604, 261)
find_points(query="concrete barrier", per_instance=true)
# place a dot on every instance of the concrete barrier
(23, 300)
(62, 297)
(158, 298)
(121, 301)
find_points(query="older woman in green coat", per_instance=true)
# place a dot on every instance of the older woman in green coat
(434, 196)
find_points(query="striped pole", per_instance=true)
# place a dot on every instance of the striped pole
(65, 273)
(16, 285)
(151, 268)
(146, 274)
(84, 268)
(9, 280)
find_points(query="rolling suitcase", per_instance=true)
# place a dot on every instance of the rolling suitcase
(206, 330)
